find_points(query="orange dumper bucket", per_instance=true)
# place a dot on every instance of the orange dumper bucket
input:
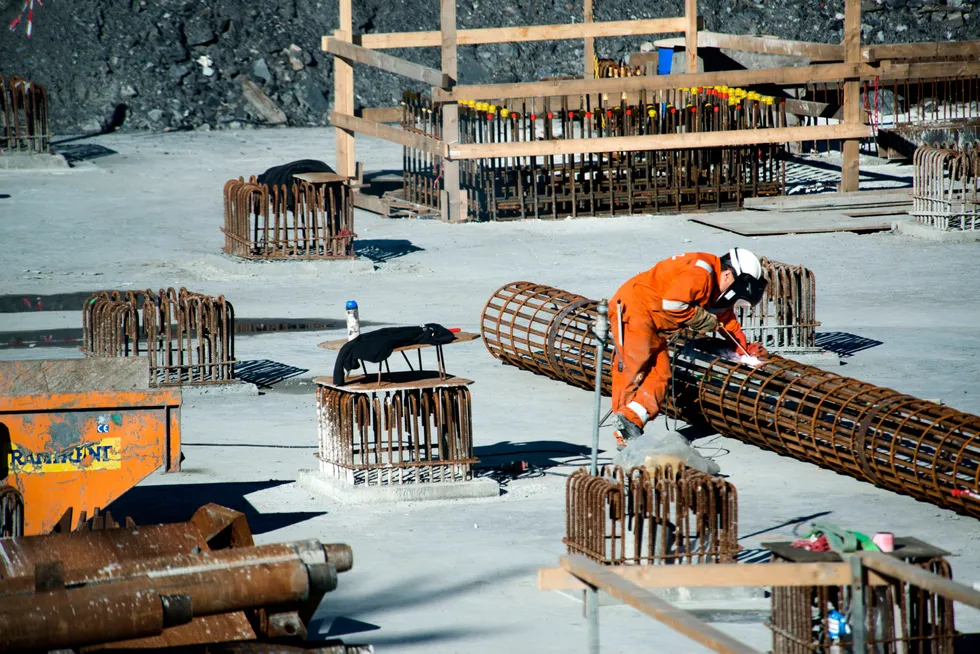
(75, 434)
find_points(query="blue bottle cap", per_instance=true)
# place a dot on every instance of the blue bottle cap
(351, 304)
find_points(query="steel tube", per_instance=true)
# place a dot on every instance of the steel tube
(892, 440)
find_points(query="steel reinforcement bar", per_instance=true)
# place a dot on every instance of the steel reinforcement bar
(892, 440)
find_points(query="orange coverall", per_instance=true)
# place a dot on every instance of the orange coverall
(651, 305)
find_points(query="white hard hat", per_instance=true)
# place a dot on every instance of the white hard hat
(744, 262)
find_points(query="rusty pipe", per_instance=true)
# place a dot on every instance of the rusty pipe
(892, 440)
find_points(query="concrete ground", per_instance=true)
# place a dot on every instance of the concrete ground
(459, 576)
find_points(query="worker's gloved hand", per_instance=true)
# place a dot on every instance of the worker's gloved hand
(756, 350)
(703, 321)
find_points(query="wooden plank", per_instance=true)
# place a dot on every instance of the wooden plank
(383, 114)
(740, 78)
(450, 201)
(772, 46)
(877, 197)
(587, 17)
(385, 62)
(651, 605)
(720, 575)
(850, 168)
(526, 33)
(655, 142)
(772, 223)
(933, 50)
(371, 203)
(393, 134)
(343, 93)
(691, 34)
(891, 566)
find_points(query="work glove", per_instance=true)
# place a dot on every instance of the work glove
(756, 350)
(703, 321)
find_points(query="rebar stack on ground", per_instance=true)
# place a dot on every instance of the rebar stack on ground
(396, 436)
(189, 338)
(559, 186)
(786, 317)
(639, 517)
(894, 441)
(307, 221)
(23, 116)
(173, 585)
(899, 617)
(945, 188)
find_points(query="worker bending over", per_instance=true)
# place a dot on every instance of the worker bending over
(695, 290)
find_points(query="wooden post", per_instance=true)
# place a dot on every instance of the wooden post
(343, 93)
(589, 42)
(850, 168)
(450, 197)
(691, 34)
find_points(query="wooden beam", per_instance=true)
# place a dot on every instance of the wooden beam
(935, 50)
(451, 201)
(383, 114)
(691, 34)
(587, 17)
(850, 167)
(772, 46)
(525, 33)
(385, 62)
(889, 566)
(655, 142)
(343, 93)
(739, 78)
(720, 575)
(651, 605)
(409, 139)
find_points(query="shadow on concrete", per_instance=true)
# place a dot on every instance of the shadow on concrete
(902, 181)
(507, 460)
(843, 343)
(79, 152)
(25, 302)
(265, 373)
(382, 250)
(148, 505)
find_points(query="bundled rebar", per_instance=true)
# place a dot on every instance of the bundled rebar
(946, 188)
(644, 516)
(189, 338)
(558, 186)
(306, 221)
(892, 440)
(23, 116)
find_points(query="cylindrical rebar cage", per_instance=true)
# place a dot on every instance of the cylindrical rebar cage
(659, 516)
(23, 116)
(946, 188)
(786, 317)
(306, 221)
(895, 441)
(400, 434)
(189, 338)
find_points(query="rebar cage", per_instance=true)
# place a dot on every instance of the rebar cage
(638, 517)
(560, 186)
(189, 338)
(946, 182)
(899, 618)
(23, 116)
(786, 317)
(306, 221)
(396, 436)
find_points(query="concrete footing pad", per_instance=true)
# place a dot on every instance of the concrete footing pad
(926, 233)
(319, 484)
(812, 357)
(231, 389)
(25, 161)
(747, 602)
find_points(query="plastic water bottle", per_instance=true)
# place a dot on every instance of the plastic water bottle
(353, 322)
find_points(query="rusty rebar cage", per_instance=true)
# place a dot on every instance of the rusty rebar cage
(189, 338)
(892, 440)
(395, 436)
(946, 187)
(786, 317)
(306, 221)
(644, 517)
(899, 617)
(23, 116)
(559, 186)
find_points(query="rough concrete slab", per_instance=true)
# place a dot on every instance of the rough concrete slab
(918, 230)
(74, 375)
(812, 357)
(315, 482)
(696, 600)
(17, 161)
(218, 391)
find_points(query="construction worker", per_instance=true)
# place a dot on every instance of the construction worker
(695, 290)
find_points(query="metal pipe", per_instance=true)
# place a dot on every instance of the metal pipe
(892, 440)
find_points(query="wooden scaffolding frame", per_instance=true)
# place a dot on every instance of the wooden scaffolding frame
(848, 63)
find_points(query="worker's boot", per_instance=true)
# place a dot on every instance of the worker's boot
(624, 430)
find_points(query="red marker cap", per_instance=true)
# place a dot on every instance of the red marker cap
(550, 115)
